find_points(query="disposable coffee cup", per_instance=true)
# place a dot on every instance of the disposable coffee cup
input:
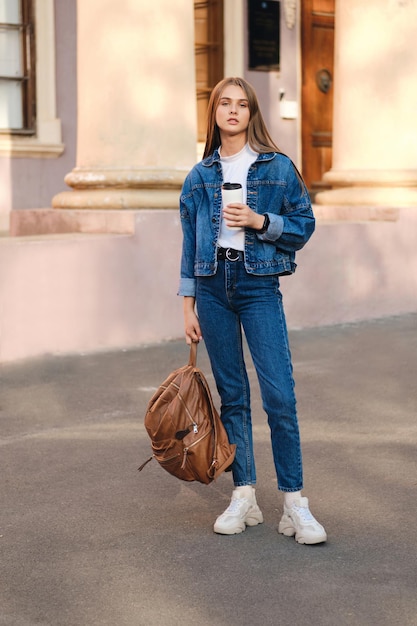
(232, 192)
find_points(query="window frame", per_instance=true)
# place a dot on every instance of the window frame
(27, 78)
(45, 141)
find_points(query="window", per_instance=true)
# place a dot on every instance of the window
(263, 20)
(208, 20)
(17, 71)
(29, 126)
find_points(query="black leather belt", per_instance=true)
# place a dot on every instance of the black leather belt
(229, 254)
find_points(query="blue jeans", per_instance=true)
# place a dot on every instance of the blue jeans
(226, 302)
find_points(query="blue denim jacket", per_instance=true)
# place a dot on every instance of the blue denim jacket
(273, 188)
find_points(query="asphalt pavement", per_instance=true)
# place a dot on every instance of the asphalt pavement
(87, 540)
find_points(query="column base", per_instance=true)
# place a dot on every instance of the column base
(121, 189)
(366, 196)
(117, 199)
(370, 188)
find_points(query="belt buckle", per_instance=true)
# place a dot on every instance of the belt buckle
(230, 252)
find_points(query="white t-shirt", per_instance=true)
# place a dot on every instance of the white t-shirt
(235, 170)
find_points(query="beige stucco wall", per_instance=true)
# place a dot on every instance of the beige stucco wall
(136, 105)
(375, 104)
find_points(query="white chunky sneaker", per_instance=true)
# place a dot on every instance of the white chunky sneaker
(298, 520)
(242, 511)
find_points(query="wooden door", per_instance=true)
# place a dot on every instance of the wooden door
(317, 48)
(208, 26)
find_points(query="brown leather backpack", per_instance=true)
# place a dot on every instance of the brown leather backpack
(187, 436)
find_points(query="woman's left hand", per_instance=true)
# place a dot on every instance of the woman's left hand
(239, 215)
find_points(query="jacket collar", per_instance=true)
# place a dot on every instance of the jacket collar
(215, 158)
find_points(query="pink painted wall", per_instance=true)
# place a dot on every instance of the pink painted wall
(88, 292)
(351, 271)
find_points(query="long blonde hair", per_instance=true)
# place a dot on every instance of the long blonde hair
(259, 138)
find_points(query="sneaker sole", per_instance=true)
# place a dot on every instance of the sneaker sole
(251, 520)
(229, 531)
(289, 531)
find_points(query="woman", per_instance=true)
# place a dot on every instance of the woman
(232, 258)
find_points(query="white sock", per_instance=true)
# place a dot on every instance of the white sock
(291, 497)
(246, 491)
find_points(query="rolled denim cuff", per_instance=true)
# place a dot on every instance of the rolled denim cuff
(275, 228)
(187, 287)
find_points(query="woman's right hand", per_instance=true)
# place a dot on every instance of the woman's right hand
(191, 323)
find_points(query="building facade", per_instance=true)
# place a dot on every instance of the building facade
(102, 114)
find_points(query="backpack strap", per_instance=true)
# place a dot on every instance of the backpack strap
(146, 463)
(211, 472)
(193, 354)
(215, 418)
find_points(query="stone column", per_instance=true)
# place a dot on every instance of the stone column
(375, 105)
(136, 135)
